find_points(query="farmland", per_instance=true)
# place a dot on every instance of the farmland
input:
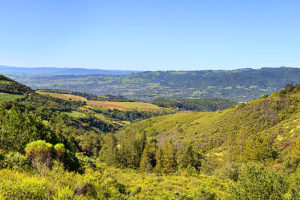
(140, 106)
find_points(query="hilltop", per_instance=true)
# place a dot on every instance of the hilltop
(240, 85)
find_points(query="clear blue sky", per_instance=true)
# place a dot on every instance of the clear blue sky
(150, 34)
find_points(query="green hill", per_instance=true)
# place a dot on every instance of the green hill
(56, 148)
(265, 130)
(10, 86)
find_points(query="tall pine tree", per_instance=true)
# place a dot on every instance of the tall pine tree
(169, 163)
(147, 159)
(108, 152)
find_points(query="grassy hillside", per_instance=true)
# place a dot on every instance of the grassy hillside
(140, 106)
(9, 97)
(10, 86)
(265, 130)
(239, 85)
(56, 148)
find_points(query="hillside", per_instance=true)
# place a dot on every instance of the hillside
(10, 86)
(265, 130)
(240, 85)
(54, 146)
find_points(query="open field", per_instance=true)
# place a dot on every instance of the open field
(63, 96)
(9, 97)
(108, 104)
(125, 105)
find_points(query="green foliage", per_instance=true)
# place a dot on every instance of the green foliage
(108, 152)
(201, 105)
(168, 159)
(19, 128)
(40, 154)
(10, 86)
(14, 160)
(9, 97)
(257, 182)
(148, 158)
(264, 132)
(130, 150)
(191, 158)
(229, 171)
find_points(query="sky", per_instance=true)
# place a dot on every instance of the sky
(150, 34)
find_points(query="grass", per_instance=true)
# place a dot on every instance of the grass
(140, 106)
(75, 114)
(5, 82)
(63, 96)
(9, 97)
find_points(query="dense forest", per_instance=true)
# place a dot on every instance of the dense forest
(240, 85)
(52, 148)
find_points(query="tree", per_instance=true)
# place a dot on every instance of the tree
(18, 128)
(158, 156)
(131, 150)
(191, 158)
(108, 152)
(148, 156)
(169, 163)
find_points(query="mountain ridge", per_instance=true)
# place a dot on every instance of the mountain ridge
(59, 71)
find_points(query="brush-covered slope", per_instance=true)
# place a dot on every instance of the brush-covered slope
(10, 86)
(11, 90)
(265, 130)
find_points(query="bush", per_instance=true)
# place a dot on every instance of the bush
(60, 150)
(40, 154)
(15, 160)
(257, 182)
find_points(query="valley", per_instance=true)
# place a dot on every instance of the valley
(241, 85)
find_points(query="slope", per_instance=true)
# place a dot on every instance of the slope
(265, 130)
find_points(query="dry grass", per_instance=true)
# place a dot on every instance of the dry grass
(125, 105)
(63, 96)
(140, 106)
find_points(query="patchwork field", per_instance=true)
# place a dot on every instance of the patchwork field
(124, 105)
(140, 106)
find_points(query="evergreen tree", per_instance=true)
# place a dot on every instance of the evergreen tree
(191, 158)
(147, 159)
(158, 156)
(169, 163)
(108, 152)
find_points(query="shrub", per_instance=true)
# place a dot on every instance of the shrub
(257, 182)
(40, 154)
(60, 151)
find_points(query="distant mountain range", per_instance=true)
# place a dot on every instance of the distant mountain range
(59, 71)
